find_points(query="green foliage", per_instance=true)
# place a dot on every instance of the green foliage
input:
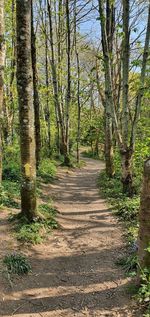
(9, 192)
(30, 233)
(11, 163)
(124, 207)
(47, 170)
(129, 263)
(17, 264)
(128, 208)
(144, 291)
(90, 154)
(36, 231)
(11, 171)
(110, 187)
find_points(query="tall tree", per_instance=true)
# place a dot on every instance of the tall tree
(64, 128)
(26, 109)
(47, 77)
(2, 63)
(35, 90)
(78, 82)
(68, 94)
(107, 39)
(125, 132)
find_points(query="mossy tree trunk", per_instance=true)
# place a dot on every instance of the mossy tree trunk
(144, 219)
(26, 109)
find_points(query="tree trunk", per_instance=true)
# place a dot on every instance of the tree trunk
(47, 109)
(2, 63)
(26, 109)
(68, 97)
(127, 178)
(144, 218)
(107, 38)
(78, 83)
(12, 76)
(65, 147)
(109, 153)
(35, 91)
(125, 72)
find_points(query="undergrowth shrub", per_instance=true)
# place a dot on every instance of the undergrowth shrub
(11, 163)
(144, 291)
(47, 170)
(36, 231)
(93, 154)
(17, 264)
(129, 263)
(9, 194)
(126, 208)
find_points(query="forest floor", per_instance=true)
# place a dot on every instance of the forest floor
(74, 272)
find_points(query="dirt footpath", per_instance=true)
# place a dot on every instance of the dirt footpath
(74, 272)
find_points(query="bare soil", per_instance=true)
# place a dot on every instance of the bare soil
(74, 271)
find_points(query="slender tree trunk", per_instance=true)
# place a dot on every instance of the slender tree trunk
(55, 88)
(12, 75)
(127, 178)
(125, 72)
(26, 109)
(127, 152)
(144, 218)
(60, 91)
(2, 63)
(47, 110)
(79, 109)
(109, 152)
(68, 97)
(78, 83)
(107, 48)
(36, 99)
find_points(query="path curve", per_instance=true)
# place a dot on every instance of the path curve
(74, 273)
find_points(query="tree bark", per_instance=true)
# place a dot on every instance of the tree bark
(68, 96)
(78, 83)
(36, 99)
(109, 152)
(2, 64)
(127, 177)
(109, 104)
(26, 109)
(144, 219)
(47, 109)
(125, 72)
(12, 75)
(65, 147)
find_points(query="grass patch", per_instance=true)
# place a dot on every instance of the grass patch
(129, 264)
(17, 264)
(35, 232)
